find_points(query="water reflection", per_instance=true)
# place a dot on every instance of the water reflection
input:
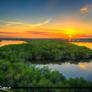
(81, 65)
(87, 44)
(81, 69)
(7, 42)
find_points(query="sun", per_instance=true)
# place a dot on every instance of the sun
(71, 33)
(70, 36)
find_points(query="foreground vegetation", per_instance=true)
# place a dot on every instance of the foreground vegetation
(26, 75)
(53, 50)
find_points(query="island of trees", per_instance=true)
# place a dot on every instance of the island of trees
(53, 50)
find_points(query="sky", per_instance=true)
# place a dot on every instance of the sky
(46, 19)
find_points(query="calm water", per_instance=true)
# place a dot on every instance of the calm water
(72, 70)
(82, 69)
(87, 44)
(7, 42)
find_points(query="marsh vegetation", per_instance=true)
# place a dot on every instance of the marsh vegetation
(17, 70)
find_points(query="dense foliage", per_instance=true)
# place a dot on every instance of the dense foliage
(55, 50)
(25, 74)
(15, 71)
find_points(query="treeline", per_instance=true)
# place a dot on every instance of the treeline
(53, 50)
(20, 74)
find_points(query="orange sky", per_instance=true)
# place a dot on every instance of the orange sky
(73, 25)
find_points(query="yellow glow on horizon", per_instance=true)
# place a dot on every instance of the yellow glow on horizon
(70, 36)
(67, 29)
(70, 31)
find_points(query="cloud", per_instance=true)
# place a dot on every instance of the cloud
(36, 33)
(83, 36)
(8, 36)
(15, 23)
(43, 23)
(47, 34)
(84, 10)
(8, 33)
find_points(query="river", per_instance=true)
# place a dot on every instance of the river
(82, 69)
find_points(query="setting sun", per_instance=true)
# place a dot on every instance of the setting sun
(70, 36)
(60, 23)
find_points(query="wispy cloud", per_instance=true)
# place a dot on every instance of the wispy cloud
(8, 33)
(84, 10)
(83, 36)
(43, 23)
(35, 32)
(15, 23)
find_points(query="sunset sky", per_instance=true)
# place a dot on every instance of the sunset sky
(46, 18)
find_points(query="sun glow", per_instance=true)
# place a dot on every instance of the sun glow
(70, 36)
(70, 33)
(42, 30)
